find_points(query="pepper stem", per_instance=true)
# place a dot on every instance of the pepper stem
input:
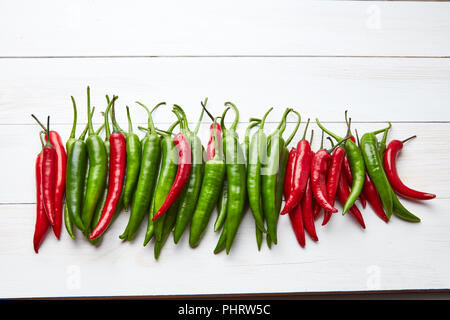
(357, 137)
(173, 126)
(206, 110)
(216, 141)
(331, 142)
(321, 140)
(183, 121)
(336, 137)
(306, 128)
(382, 130)
(106, 120)
(222, 118)
(130, 124)
(311, 138)
(263, 121)
(236, 119)
(197, 127)
(151, 125)
(383, 140)
(90, 125)
(337, 145)
(40, 138)
(74, 125)
(116, 127)
(410, 138)
(39, 122)
(289, 139)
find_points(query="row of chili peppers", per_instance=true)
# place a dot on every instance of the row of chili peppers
(166, 176)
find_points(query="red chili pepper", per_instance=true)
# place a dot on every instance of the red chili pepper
(301, 173)
(390, 157)
(60, 183)
(319, 168)
(307, 208)
(117, 162)
(184, 169)
(289, 173)
(343, 193)
(296, 218)
(317, 209)
(333, 178)
(348, 173)
(42, 224)
(210, 149)
(373, 198)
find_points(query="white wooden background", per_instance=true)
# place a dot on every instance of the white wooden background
(383, 61)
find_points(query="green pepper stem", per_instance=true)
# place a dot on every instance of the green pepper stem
(410, 138)
(263, 121)
(39, 122)
(197, 127)
(236, 119)
(222, 118)
(289, 139)
(90, 125)
(331, 141)
(106, 120)
(173, 126)
(382, 130)
(180, 118)
(336, 137)
(306, 129)
(116, 126)
(101, 127)
(206, 110)
(357, 137)
(312, 136)
(337, 145)
(383, 140)
(130, 124)
(184, 124)
(151, 125)
(40, 138)
(321, 140)
(74, 125)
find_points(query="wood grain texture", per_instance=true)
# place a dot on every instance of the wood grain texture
(205, 28)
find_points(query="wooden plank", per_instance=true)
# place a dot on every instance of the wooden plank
(174, 28)
(424, 162)
(393, 256)
(375, 89)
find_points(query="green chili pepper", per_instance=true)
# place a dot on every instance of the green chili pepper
(374, 167)
(269, 174)
(212, 181)
(222, 206)
(357, 165)
(188, 198)
(236, 177)
(169, 224)
(151, 155)
(256, 156)
(134, 148)
(67, 219)
(97, 170)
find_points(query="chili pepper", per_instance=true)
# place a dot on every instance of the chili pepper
(167, 173)
(236, 176)
(343, 193)
(400, 211)
(307, 209)
(117, 159)
(97, 170)
(169, 223)
(382, 142)
(143, 194)
(222, 206)
(373, 198)
(333, 177)
(49, 167)
(212, 182)
(271, 188)
(181, 142)
(256, 156)
(210, 149)
(289, 172)
(357, 167)
(390, 158)
(42, 223)
(319, 168)
(348, 173)
(221, 243)
(296, 217)
(189, 196)
(374, 167)
(60, 177)
(134, 148)
(301, 173)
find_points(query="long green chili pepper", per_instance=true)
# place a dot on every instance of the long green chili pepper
(357, 165)
(256, 156)
(236, 176)
(188, 198)
(382, 143)
(134, 148)
(67, 219)
(97, 170)
(212, 181)
(150, 160)
(269, 174)
(169, 223)
(222, 206)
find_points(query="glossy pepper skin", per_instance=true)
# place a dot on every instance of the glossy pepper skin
(189, 197)
(97, 171)
(390, 165)
(319, 169)
(256, 156)
(181, 142)
(117, 160)
(209, 193)
(236, 177)
(348, 173)
(307, 208)
(148, 173)
(357, 166)
(343, 193)
(42, 223)
(373, 198)
(133, 151)
(374, 167)
(333, 177)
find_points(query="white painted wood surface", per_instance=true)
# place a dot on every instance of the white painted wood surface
(383, 61)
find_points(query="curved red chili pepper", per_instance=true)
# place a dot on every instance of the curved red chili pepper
(289, 173)
(373, 198)
(42, 224)
(60, 182)
(390, 157)
(184, 169)
(317, 209)
(296, 218)
(348, 173)
(300, 177)
(117, 161)
(307, 208)
(210, 149)
(333, 177)
(48, 181)
(319, 168)
(343, 193)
